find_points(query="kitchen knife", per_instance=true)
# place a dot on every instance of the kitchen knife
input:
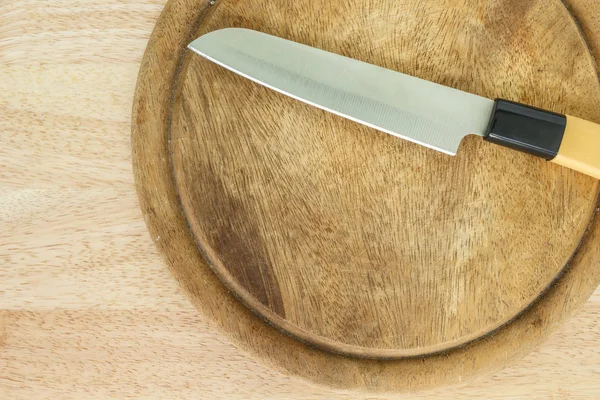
(414, 109)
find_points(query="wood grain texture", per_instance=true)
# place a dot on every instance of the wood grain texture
(87, 307)
(356, 241)
(587, 15)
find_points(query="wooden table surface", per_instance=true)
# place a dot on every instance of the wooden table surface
(87, 308)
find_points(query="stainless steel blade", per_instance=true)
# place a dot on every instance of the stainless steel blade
(414, 109)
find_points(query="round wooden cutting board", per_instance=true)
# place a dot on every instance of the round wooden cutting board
(343, 254)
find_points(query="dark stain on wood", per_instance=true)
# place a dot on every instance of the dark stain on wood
(237, 242)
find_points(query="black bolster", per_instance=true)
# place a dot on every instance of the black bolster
(527, 129)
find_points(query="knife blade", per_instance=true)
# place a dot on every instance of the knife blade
(424, 112)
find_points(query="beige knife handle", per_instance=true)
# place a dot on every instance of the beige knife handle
(580, 147)
(565, 140)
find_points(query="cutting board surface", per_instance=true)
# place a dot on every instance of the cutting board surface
(346, 255)
(360, 242)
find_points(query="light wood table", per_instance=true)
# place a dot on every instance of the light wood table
(87, 308)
